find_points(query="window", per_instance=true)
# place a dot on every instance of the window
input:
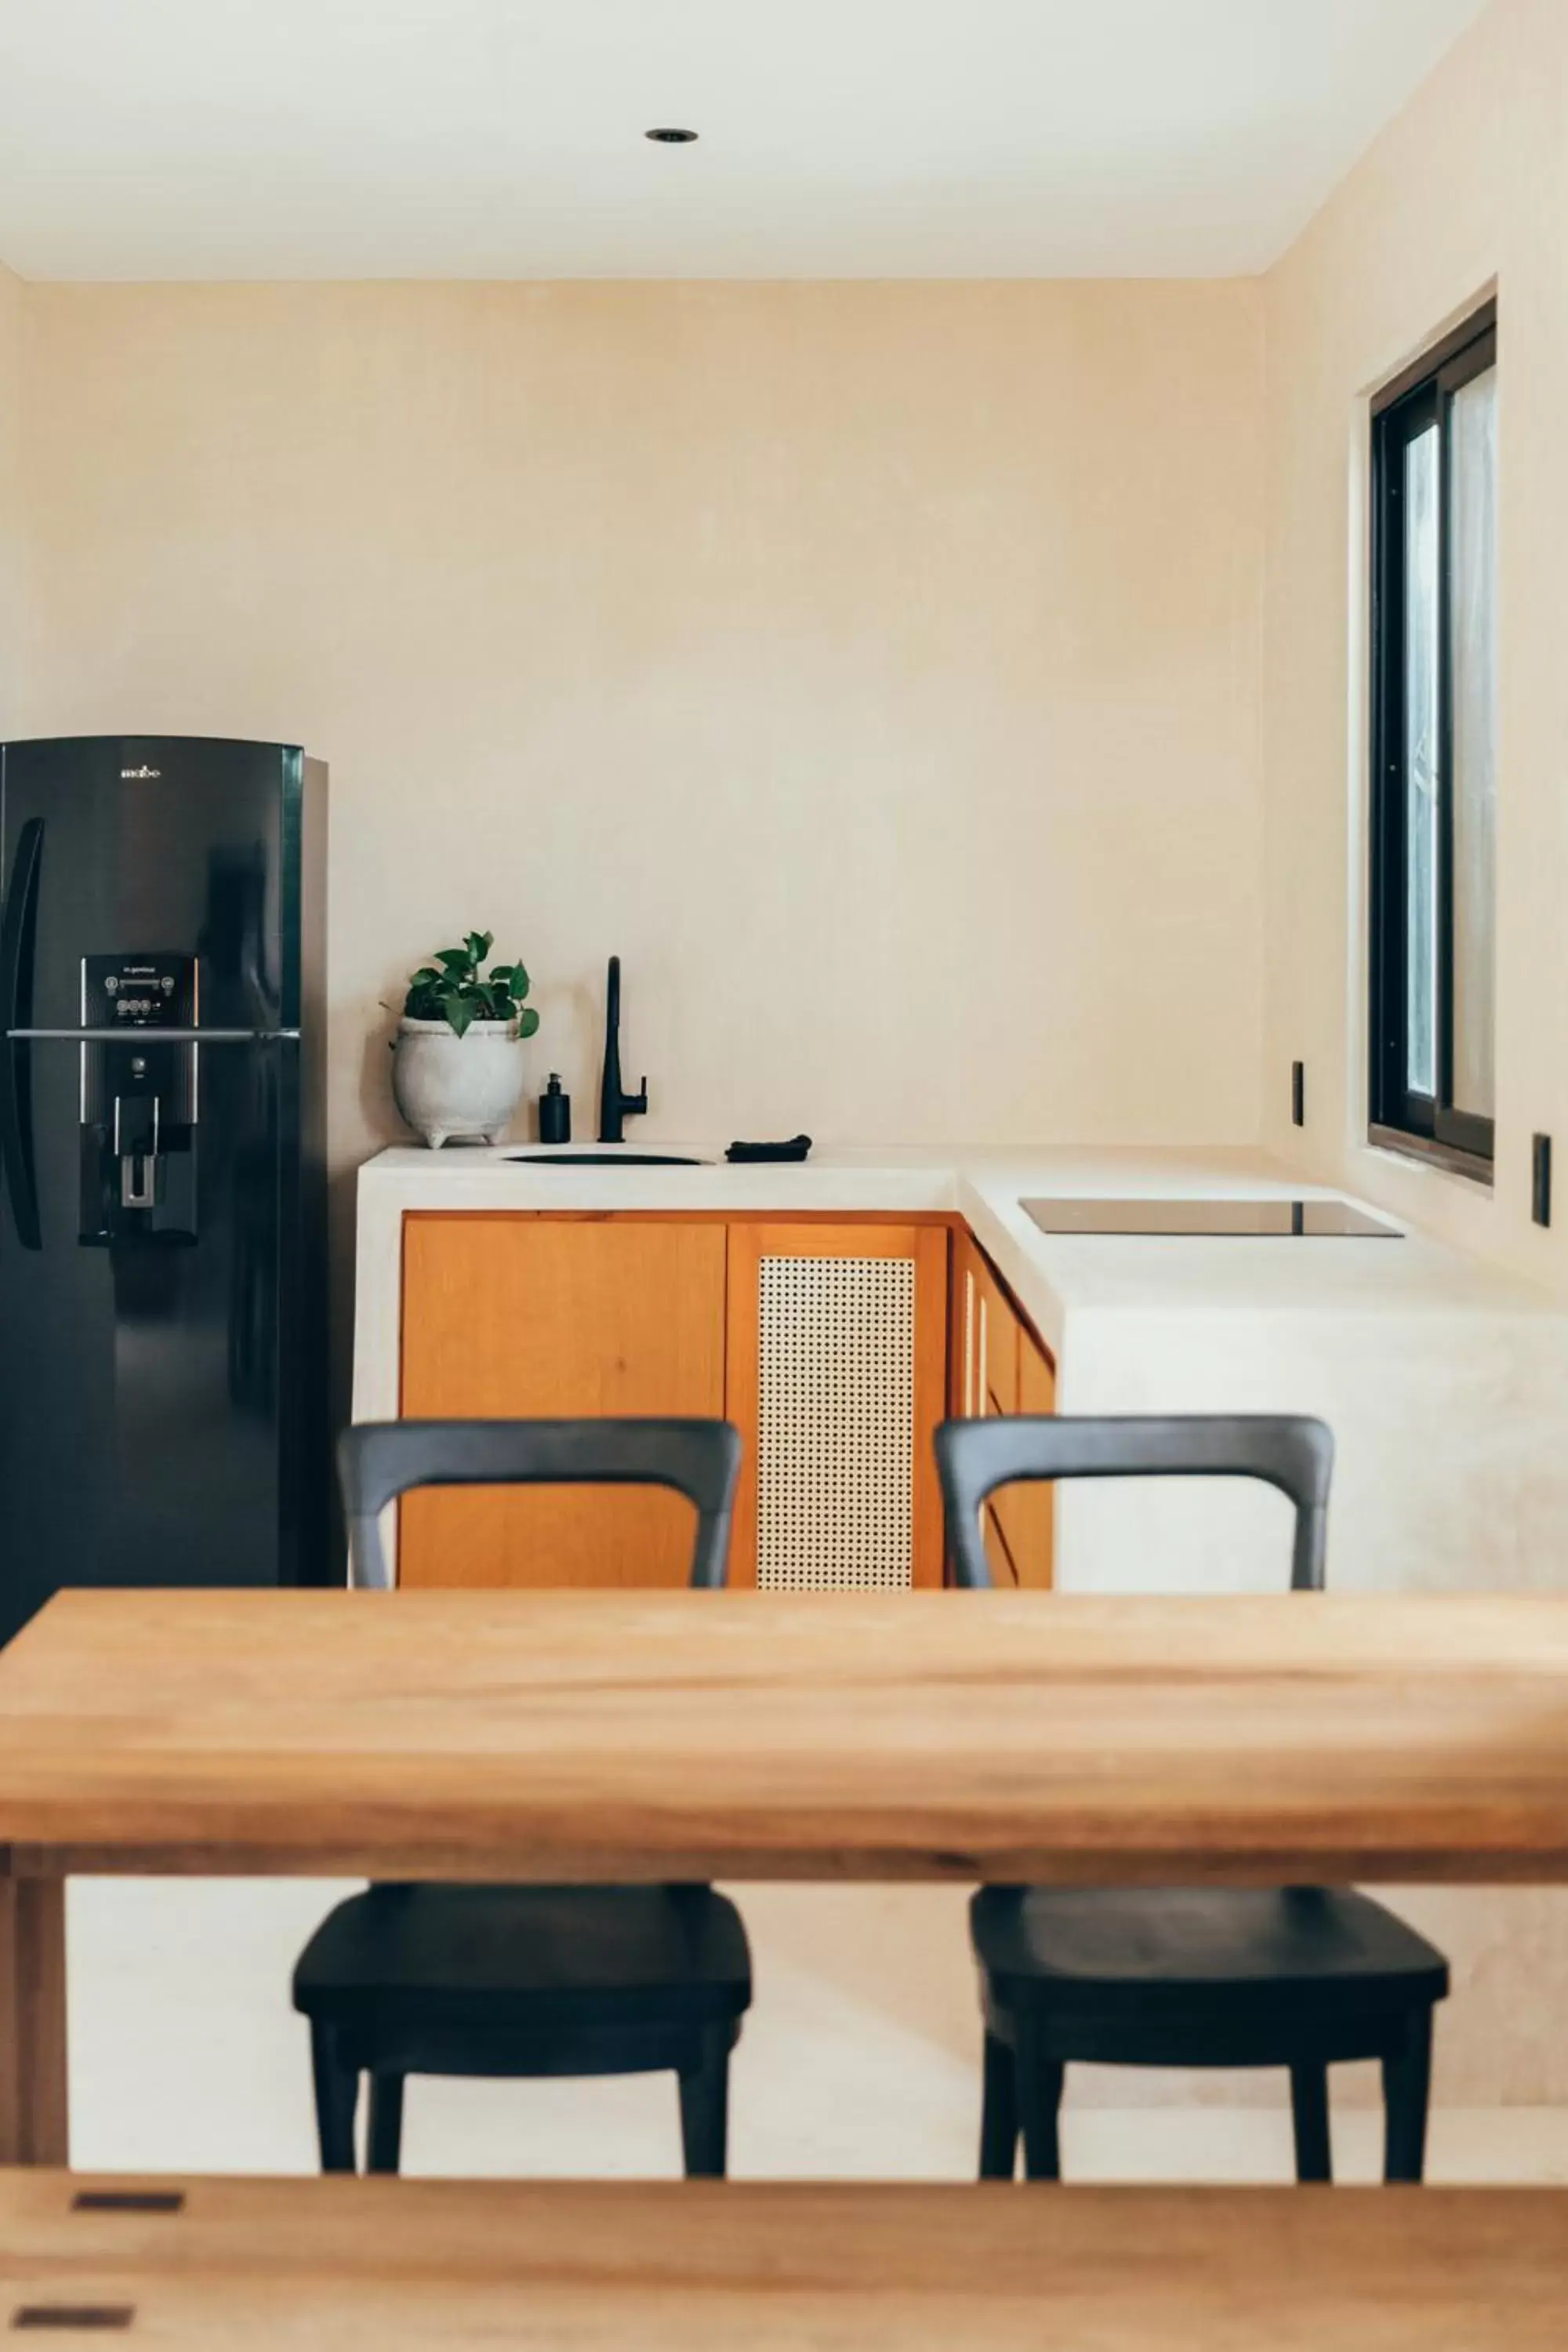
(1434, 798)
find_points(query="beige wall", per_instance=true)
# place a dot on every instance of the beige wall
(882, 669)
(876, 668)
(12, 543)
(1470, 185)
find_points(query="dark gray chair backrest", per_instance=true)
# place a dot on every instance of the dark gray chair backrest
(379, 1460)
(1295, 1455)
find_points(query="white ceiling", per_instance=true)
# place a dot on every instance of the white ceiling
(170, 139)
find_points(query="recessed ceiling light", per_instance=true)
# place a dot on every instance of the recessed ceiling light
(672, 138)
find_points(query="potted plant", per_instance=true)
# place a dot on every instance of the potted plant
(457, 1062)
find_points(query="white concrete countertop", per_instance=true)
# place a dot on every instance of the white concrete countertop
(1054, 1275)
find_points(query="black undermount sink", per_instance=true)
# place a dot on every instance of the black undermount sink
(550, 1158)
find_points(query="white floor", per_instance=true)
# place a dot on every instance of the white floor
(860, 2060)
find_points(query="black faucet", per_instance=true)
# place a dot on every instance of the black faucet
(613, 1105)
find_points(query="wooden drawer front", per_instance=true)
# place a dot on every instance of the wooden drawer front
(525, 1315)
(836, 1376)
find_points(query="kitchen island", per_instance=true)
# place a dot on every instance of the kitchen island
(1440, 1377)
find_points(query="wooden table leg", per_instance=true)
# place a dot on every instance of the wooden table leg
(34, 2127)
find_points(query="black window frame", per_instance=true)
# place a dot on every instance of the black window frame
(1429, 1126)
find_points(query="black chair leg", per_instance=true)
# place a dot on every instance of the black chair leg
(705, 2110)
(999, 2113)
(384, 2149)
(1406, 2088)
(1310, 2117)
(337, 2100)
(1040, 2083)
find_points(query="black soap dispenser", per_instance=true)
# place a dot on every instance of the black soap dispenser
(554, 1113)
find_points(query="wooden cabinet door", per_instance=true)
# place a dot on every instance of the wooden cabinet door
(999, 1366)
(998, 1557)
(836, 1380)
(1026, 1512)
(963, 1370)
(982, 1331)
(996, 1393)
(524, 1316)
(960, 1328)
(997, 1346)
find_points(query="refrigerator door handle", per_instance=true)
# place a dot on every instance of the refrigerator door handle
(18, 927)
(162, 1036)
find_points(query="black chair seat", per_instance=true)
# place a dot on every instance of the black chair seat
(1230, 1952)
(519, 1960)
(1303, 1977)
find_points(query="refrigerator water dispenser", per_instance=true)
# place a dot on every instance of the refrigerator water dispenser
(140, 1108)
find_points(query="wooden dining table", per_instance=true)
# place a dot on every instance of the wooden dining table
(658, 1735)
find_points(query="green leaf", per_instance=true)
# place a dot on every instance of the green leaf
(454, 987)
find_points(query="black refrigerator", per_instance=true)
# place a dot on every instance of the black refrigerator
(163, 1395)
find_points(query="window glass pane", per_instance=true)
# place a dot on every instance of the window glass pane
(1472, 610)
(1421, 639)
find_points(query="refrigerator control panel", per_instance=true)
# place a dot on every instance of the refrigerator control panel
(143, 992)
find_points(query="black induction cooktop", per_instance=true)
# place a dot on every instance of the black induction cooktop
(1330, 1219)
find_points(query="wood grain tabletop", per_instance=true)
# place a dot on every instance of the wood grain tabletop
(962, 1736)
(316, 2265)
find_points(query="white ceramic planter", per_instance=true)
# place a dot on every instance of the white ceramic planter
(457, 1089)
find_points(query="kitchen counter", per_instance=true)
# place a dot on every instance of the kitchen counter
(1442, 1379)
